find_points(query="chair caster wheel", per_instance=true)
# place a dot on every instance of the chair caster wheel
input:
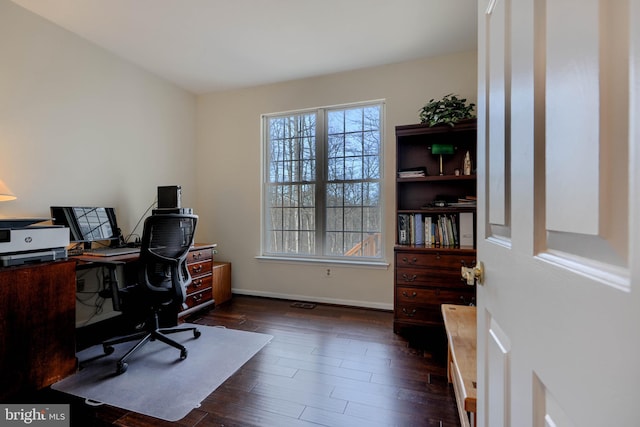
(183, 354)
(108, 349)
(121, 368)
(196, 333)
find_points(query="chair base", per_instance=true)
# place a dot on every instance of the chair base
(144, 337)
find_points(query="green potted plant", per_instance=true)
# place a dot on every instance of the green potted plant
(449, 110)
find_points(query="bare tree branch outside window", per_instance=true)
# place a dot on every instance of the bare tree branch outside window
(323, 183)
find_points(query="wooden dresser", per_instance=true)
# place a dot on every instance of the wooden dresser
(427, 279)
(37, 325)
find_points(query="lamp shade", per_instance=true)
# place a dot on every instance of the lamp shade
(5, 192)
(442, 149)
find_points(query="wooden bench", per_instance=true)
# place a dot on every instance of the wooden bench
(460, 324)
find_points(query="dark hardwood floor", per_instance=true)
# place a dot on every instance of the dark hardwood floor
(326, 366)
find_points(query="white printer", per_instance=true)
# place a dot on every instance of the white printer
(23, 242)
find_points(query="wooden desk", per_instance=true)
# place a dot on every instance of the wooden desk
(460, 324)
(210, 284)
(37, 325)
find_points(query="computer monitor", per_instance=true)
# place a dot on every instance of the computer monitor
(88, 224)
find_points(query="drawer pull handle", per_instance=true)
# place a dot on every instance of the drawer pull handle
(197, 283)
(409, 313)
(409, 279)
(406, 260)
(406, 294)
(438, 255)
(197, 269)
(197, 255)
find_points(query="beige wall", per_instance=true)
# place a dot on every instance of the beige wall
(80, 126)
(228, 167)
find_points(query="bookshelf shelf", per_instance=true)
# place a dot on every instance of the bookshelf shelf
(438, 178)
(428, 257)
(436, 211)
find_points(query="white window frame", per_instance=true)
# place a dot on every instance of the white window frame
(321, 113)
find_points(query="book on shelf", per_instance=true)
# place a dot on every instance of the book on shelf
(403, 229)
(418, 172)
(462, 205)
(412, 227)
(453, 230)
(464, 202)
(447, 235)
(466, 229)
(446, 240)
(418, 230)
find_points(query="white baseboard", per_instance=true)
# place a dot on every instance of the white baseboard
(304, 298)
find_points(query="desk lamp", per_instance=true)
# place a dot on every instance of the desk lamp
(441, 149)
(5, 192)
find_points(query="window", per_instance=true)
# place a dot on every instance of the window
(322, 183)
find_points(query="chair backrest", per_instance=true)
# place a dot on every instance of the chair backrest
(166, 241)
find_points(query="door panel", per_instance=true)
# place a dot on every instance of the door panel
(497, 164)
(497, 62)
(559, 94)
(547, 411)
(498, 374)
(587, 121)
(572, 148)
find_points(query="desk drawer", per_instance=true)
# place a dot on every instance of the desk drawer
(198, 255)
(199, 283)
(199, 297)
(200, 268)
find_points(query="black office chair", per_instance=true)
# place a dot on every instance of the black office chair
(162, 279)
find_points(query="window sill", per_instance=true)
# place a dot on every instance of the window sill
(325, 261)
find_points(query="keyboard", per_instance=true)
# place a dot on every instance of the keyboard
(111, 251)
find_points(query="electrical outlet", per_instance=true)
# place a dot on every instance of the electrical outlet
(328, 274)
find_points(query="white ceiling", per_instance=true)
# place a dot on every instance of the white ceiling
(211, 45)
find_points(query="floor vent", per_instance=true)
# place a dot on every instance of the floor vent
(306, 305)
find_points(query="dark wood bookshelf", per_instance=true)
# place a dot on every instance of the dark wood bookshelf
(428, 275)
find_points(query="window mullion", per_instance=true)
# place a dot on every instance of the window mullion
(321, 178)
(297, 177)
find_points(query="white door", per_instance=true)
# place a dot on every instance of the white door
(559, 213)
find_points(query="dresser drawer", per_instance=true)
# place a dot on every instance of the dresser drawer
(431, 296)
(200, 268)
(419, 314)
(198, 255)
(424, 277)
(436, 260)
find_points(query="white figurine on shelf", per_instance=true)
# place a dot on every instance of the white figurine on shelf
(467, 164)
